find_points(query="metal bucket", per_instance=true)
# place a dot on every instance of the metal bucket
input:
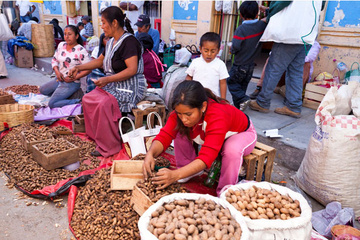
(9, 13)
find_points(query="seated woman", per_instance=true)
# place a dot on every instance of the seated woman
(68, 54)
(153, 67)
(202, 117)
(122, 87)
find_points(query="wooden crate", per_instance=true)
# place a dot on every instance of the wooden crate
(314, 94)
(140, 201)
(256, 161)
(125, 174)
(56, 160)
(139, 114)
(80, 119)
(7, 99)
(28, 145)
(77, 127)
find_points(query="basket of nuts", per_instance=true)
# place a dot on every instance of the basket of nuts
(270, 210)
(15, 114)
(192, 216)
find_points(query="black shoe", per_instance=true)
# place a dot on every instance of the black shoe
(255, 93)
(1, 77)
(96, 154)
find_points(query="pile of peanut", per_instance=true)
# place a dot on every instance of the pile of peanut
(23, 89)
(259, 203)
(22, 170)
(100, 213)
(58, 145)
(38, 134)
(193, 220)
(149, 189)
(3, 93)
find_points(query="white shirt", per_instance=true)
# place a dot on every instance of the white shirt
(25, 29)
(133, 15)
(24, 6)
(208, 74)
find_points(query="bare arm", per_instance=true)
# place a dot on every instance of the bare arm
(96, 63)
(188, 77)
(223, 88)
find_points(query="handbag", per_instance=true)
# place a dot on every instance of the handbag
(133, 140)
(195, 53)
(353, 74)
(151, 132)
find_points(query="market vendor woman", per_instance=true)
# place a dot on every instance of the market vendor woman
(201, 117)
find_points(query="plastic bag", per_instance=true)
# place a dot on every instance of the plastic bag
(323, 220)
(182, 56)
(134, 139)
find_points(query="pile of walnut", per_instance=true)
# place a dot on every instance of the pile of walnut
(160, 161)
(149, 189)
(23, 89)
(38, 134)
(3, 93)
(22, 170)
(58, 145)
(193, 219)
(100, 213)
(259, 203)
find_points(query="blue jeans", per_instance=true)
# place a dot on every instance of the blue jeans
(60, 92)
(25, 19)
(289, 58)
(240, 76)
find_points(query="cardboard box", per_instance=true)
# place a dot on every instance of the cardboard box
(23, 57)
(56, 160)
(125, 174)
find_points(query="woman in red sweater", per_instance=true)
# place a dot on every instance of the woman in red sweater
(201, 117)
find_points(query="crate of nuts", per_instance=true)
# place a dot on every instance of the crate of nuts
(192, 216)
(55, 154)
(34, 136)
(271, 211)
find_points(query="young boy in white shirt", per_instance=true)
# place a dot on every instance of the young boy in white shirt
(209, 70)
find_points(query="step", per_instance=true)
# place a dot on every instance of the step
(44, 65)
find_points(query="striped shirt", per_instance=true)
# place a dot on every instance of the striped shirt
(89, 30)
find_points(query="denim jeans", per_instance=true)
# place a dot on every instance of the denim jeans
(240, 76)
(24, 19)
(60, 92)
(289, 58)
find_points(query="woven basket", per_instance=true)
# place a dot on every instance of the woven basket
(15, 114)
(43, 37)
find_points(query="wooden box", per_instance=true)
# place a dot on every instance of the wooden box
(80, 119)
(77, 127)
(125, 174)
(56, 160)
(261, 156)
(140, 201)
(27, 144)
(139, 114)
(7, 99)
(314, 94)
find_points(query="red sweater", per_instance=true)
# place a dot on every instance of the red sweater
(220, 122)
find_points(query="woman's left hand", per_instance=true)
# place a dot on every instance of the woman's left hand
(164, 177)
(68, 79)
(101, 82)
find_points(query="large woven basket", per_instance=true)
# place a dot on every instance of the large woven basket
(15, 114)
(43, 37)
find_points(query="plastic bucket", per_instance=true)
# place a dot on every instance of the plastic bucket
(345, 232)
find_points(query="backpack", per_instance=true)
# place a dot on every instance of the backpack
(173, 77)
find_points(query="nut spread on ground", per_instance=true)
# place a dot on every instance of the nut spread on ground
(24, 89)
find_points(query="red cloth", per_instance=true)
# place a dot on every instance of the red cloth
(220, 122)
(102, 114)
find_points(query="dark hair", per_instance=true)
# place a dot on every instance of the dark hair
(192, 94)
(146, 41)
(210, 37)
(80, 24)
(101, 44)
(57, 29)
(76, 31)
(115, 13)
(249, 9)
(34, 19)
(54, 20)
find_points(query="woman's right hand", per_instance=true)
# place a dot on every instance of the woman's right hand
(73, 72)
(148, 165)
(59, 76)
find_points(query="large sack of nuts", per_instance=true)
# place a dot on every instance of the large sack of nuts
(271, 211)
(331, 165)
(181, 215)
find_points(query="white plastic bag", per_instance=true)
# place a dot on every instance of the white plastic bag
(294, 228)
(145, 218)
(134, 139)
(299, 15)
(150, 133)
(5, 32)
(182, 56)
(330, 168)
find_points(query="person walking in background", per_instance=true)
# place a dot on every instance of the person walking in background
(25, 9)
(3, 70)
(144, 26)
(89, 30)
(245, 47)
(288, 52)
(207, 69)
(132, 10)
(68, 54)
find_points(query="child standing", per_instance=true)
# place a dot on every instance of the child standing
(209, 70)
(245, 47)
